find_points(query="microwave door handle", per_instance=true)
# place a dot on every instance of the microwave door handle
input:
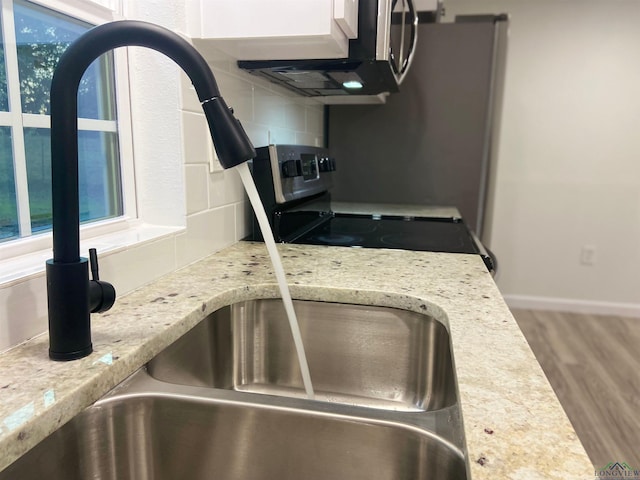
(412, 44)
(401, 52)
(396, 54)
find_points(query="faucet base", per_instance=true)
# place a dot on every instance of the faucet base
(68, 299)
(70, 355)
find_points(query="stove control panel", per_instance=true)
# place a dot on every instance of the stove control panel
(292, 172)
(291, 168)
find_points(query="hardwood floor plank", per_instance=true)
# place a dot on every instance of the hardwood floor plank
(593, 364)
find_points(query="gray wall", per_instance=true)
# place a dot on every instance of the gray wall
(567, 159)
(426, 144)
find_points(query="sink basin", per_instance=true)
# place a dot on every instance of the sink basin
(166, 436)
(187, 414)
(358, 355)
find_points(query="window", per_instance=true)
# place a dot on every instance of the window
(8, 207)
(33, 38)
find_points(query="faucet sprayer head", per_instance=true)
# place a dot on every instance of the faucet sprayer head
(229, 138)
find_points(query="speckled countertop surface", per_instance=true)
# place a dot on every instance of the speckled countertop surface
(515, 427)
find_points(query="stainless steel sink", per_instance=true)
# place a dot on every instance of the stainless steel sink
(145, 430)
(359, 355)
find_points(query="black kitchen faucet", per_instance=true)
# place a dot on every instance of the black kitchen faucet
(72, 297)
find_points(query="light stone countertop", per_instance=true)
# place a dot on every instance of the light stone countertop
(514, 425)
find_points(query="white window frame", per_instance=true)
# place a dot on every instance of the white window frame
(91, 12)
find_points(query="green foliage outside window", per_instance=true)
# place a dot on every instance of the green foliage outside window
(8, 207)
(42, 35)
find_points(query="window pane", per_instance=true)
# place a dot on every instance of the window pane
(4, 100)
(99, 171)
(41, 36)
(8, 210)
(100, 194)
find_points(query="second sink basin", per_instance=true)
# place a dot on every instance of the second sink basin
(167, 436)
(360, 355)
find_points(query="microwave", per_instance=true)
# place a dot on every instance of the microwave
(378, 59)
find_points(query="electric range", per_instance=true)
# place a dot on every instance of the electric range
(294, 184)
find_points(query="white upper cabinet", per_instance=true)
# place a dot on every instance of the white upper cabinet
(275, 29)
(426, 5)
(345, 13)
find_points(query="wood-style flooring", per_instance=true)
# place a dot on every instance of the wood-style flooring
(593, 364)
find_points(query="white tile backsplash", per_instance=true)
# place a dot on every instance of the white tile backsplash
(306, 138)
(196, 138)
(238, 93)
(269, 114)
(269, 108)
(243, 219)
(196, 188)
(295, 116)
(281, 135)
(188, 96)
(139, 265)
(207, 232)
(315, 119)
(259, 134)
(225, 187)
(23, 311)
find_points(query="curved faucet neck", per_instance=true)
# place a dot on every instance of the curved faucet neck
(64, 126)
(71, 297)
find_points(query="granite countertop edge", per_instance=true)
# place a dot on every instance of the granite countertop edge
(514, 424)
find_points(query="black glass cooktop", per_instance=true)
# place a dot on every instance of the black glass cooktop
(423, 234)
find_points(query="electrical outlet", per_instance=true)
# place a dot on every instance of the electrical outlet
(588, 255)
(214, 161)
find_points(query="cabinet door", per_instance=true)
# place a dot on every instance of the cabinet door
(345, 13)
(272, 29)
(426, 5)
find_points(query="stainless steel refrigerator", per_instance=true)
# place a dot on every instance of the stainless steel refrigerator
(430, 144)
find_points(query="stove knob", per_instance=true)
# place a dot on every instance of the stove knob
(326, 164)
(291, 168)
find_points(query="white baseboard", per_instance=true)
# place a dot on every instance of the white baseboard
(530, 302)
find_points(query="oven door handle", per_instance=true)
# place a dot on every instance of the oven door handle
(488, 257)
(293, 238)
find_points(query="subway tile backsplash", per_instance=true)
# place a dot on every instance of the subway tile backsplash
(268, 113)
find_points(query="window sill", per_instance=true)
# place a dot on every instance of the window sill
(24, 267)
